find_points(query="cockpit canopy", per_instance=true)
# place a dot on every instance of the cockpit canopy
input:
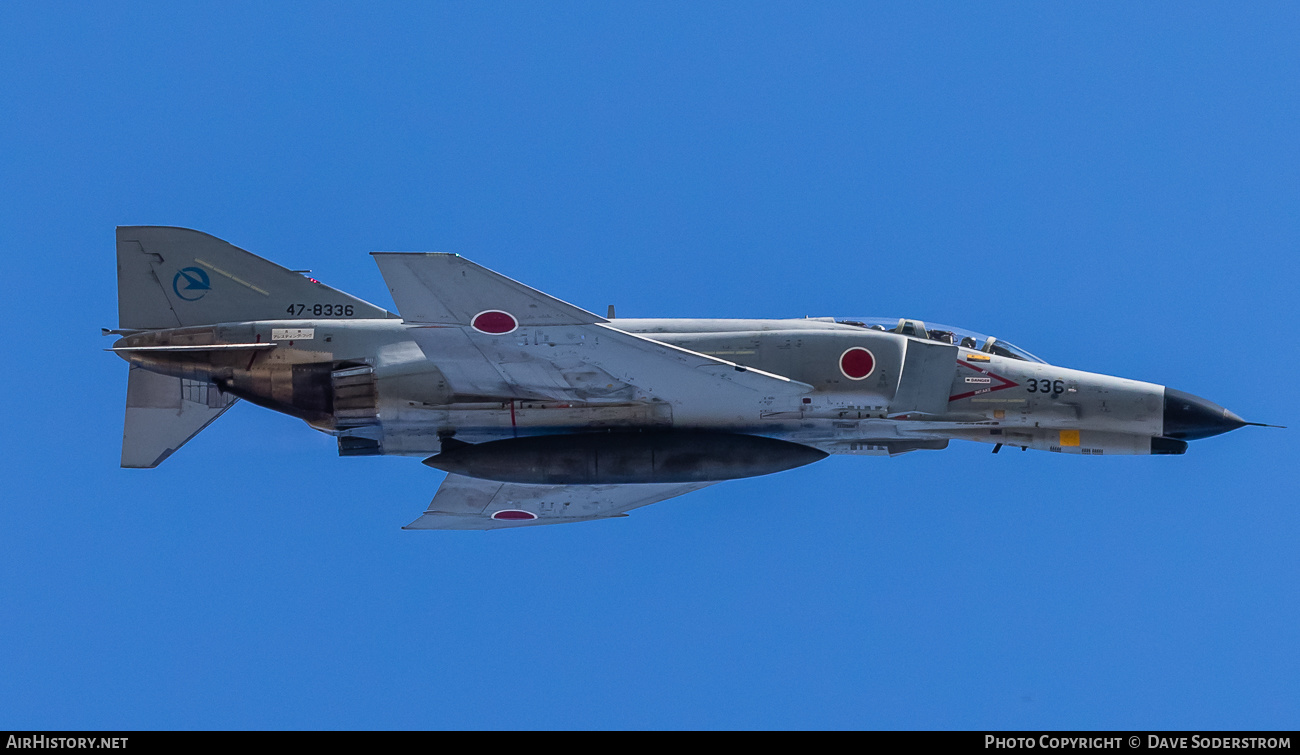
(968, 339)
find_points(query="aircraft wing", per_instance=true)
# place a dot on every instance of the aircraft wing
(494, 336)
(468, 503)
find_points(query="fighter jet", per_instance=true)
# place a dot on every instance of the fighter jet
(541, 412)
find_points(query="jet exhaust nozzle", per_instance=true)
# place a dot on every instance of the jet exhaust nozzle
(624, 458)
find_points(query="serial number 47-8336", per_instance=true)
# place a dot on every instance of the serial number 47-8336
(320, 310)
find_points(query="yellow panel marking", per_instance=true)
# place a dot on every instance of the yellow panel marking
(1070, 438)
(977, 358)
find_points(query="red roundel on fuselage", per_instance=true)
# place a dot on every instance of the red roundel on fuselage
(494, 322)
(857, 363)
(514, 515)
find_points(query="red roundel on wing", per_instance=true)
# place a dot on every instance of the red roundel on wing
(857, 363)
(514, 515)
(494, 321)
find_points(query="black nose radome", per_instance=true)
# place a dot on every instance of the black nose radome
(1189, 417)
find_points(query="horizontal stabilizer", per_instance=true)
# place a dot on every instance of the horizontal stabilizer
(163, 413)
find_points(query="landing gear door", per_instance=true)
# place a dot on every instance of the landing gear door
(928, 372)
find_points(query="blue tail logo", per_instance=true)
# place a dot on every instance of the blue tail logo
(196, 283)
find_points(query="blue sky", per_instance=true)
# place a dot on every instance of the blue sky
(1113, 187)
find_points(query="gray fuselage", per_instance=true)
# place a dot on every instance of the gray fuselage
(875, 392)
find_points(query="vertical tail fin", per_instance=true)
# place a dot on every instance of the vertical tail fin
(176, 277)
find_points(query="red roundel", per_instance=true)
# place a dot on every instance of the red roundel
(514, 515)
(494, 322)
(857, 363)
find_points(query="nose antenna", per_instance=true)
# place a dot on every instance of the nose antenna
(1261, 424)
